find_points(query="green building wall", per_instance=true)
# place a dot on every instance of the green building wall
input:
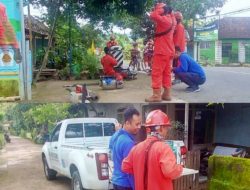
(208, 54)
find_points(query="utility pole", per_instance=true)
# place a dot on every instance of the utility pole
(186, 124)
(23, 66)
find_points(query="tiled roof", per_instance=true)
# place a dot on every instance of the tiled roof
(234, 28)
(37, 26)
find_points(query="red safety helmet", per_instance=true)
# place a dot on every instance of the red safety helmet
(178, 15)
(157, 118)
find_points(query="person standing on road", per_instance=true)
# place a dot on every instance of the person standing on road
(163, 52)
(189, 71)
(112, 41)
(120, 144)
(179, 40)
(148, 54)
(135, 57)
(152, 162)
(179, 33)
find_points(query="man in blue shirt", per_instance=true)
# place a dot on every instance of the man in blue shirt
(189, 71)
(120, 144)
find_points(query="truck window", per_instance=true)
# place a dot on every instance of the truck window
(93, 129)
(109, 129)
(74, 130)
(55, 134)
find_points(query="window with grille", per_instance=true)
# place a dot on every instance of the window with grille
(226, 49)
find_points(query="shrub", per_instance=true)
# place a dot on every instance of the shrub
(91, 64)
(177, 131)
(23, 133)
(64, 74)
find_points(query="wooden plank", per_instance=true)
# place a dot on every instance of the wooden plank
(10, 99)
(188, 182)
(8, 73)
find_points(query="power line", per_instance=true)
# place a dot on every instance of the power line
(228, 13)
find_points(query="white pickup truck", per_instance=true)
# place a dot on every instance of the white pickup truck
(78, 149)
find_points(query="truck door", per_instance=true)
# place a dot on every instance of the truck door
(53, 150)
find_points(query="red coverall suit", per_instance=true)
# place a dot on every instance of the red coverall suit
(162, 167)
(163, 50)
(7, 34)
(108, 63)
(179, 37)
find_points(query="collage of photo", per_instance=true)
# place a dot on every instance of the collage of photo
(124, 95)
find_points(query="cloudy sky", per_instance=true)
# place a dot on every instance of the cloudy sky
(234, 5)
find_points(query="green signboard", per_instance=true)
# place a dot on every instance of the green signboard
(207, 33)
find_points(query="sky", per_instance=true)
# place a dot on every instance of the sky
(234, 5)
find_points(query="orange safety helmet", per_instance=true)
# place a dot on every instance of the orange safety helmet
(178, 15)
(157, 118)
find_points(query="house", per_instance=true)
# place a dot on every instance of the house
(40, 33)
(226, 40)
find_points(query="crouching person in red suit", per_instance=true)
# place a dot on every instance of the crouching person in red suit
(108, 63)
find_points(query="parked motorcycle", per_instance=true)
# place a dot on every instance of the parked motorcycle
(7, 138)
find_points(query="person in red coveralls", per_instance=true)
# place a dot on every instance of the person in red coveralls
(163, 52)
(7, 34)
(108, 62)
(111, 42)
(179, 33)
(152, 162)
(179, 40)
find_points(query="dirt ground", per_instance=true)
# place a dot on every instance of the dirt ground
(134, 91)
(21, 168)
(223, 84)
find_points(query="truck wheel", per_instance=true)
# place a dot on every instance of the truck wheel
(76, 183)
(49, 173)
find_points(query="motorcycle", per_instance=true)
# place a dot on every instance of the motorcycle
(7, 138)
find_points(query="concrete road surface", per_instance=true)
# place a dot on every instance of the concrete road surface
(224, 84)
(21, 168)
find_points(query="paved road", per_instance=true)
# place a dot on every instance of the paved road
(21, 168)
(224, 84)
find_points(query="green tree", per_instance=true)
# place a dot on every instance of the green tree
(45, 115)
